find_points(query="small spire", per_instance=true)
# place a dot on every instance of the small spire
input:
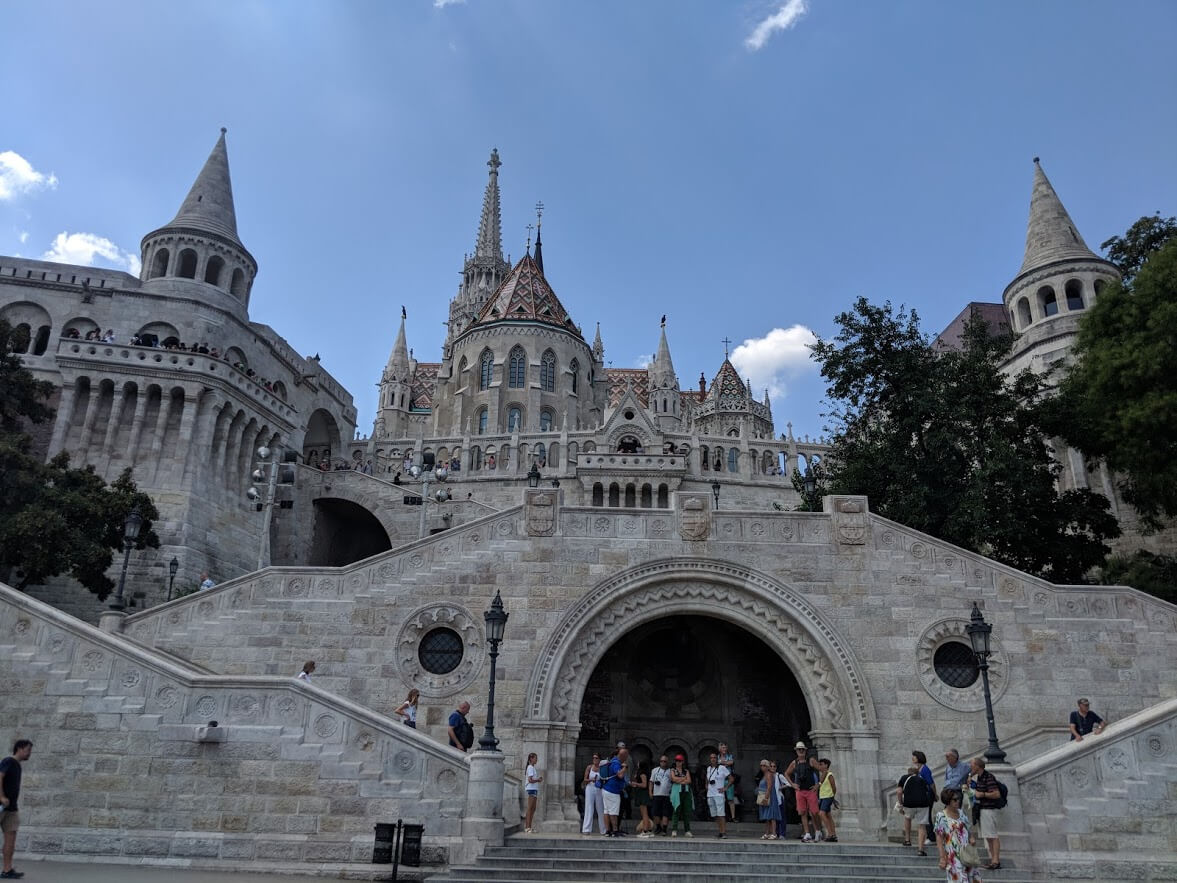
(598, 345)
(539, 245)
(209, 204)
(1051, 235)
(490, 236)
(398, 360)
(527, 250)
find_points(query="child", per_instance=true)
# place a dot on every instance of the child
(826, 790)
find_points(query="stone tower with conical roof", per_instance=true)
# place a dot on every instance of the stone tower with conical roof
(484, 270)
(665, 399)
(396, 388)
(1060, 277)
(198, 253)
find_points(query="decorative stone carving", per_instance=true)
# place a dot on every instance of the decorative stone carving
(131, 678)
(287, 707)
(22, 626)
(245, 705)
(295, 587)
(326, 726)
(92, 661)
(542, 512)
(206, 706)
(850, 521)
(447, 781)
(408, 644)
(919, 551)
(365, 741)
(386, 572)
(205, 609)
(404, 760)
(167, 696)
(694, 519)
(821, 660)
(971, 698)
(1156, 745)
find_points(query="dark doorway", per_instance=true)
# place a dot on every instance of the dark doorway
(686, 683)
(345, 532)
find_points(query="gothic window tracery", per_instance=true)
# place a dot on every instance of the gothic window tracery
(517, 365)
(545, 421)
(547, 371)
(482, 417)
(486, 371)
(574, 368)
(514, 418)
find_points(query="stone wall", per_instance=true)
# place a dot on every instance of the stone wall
(123, 765)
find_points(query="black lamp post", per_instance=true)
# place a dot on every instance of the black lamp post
(809, 486)
(173, 566)
(130, 532)
(533, 476)
(496, 624)
(715, 492)
(979, 632)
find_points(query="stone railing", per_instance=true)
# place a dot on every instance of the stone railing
(128, 764)
(598, 462)
(1103, 808)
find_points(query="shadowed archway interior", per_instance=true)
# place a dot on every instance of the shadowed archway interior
(687, 683)
(345, 532)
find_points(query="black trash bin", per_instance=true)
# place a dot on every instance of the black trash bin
(411, 845)
(382, 850)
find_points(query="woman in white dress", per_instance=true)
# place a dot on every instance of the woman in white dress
(594, 802)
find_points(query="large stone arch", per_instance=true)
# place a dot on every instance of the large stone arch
(822, 661)
(841, 709)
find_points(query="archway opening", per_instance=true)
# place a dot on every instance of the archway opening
(345, 532)
(685, 683)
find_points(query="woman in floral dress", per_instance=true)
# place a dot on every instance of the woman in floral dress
(952, 835)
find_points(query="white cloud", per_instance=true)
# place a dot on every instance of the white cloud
(18, 177)
(784, 18)
(87, 249)
(442, 4)
(771, 361)
(23, 237)
(643, 361)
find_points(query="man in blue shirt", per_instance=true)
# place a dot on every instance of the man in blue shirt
(614, 776)
(1084, 722)
(955, 772)
(10, 772)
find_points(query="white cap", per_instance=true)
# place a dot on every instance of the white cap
(799, 745)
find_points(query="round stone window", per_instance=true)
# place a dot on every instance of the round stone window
(956, 665)
(441, 651)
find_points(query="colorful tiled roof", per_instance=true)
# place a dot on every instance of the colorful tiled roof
(424, 383)
(637, 378)
(727, 383)
(526, 296)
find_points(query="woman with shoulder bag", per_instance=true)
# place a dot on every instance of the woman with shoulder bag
(959, 858)
(768, 802)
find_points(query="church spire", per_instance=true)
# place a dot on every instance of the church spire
(209, 204)
(662, 373)
(1051, 235)
(398, 360)
(539, 245)
(598, 346)
(490, 236)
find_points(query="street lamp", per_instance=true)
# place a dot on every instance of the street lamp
(173, 566)
(979, 632)
(809, 487)
(264, 470)
(130, 533)
(715, 492)
(496, 624)
(533, 476)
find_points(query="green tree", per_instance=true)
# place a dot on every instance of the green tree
(1118, 400)
(1154, 574)
(942, 441)
(53, 518)
(1130, 251)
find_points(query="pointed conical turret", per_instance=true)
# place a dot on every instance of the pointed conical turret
(398, 359)
(209, 204)
(598, 346)
(662, 374)
(1051, 235)
(539, 249)
(490, 236)
(664, 395)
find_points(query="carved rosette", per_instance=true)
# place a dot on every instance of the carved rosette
(971, 698)
(408, 646)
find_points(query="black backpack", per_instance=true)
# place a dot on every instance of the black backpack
(1001, 801)
(915, 792)
(465, 733)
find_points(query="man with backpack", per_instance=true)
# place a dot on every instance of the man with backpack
(801, 775)
(914, 799)
(989, 795)
(460, 732)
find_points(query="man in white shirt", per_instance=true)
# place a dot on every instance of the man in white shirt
(660, 807)
(717, 776)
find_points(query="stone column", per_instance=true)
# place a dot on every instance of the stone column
(482, 820)
(116, 417)
(61, 423)
(555, 743)
(137, 425)
(854, 761)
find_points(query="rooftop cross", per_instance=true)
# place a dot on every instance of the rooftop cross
(726, 343)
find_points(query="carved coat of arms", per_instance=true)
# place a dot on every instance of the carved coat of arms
(851, 522)
(694, 520)
(541, 514)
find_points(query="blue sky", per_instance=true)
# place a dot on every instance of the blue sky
(748, 168)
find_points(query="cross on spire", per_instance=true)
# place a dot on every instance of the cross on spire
(726, 344)
(530, 227)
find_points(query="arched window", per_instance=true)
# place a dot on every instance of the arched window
(514, 418)
(482, 416)
(1024, 317)
(486, 371)
(704, 461)
(475, 457)
(461, 368)
(1099, 284)
(517, 368)
(545, 421)
(21, 336)
(554, 455)
(717, 463)
(733, 459)
(1074, 292)
(631, 496)
(41, 341)
(1047, 300)
(598, 494)
(574, 369)
(647, 497)
(614, 495)
(159, 264)
(663, 497)
(213, 269)
(541, 455)
(187, 264)
(547, 371)
(237, 285)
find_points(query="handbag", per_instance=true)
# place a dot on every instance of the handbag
(969, 856)
(762, 797)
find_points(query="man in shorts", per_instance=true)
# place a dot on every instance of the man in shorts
(614, 776)
(717, 776)
(10, 773)
(660, 808)
(802, 776)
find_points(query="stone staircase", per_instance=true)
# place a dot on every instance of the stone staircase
(703, 859)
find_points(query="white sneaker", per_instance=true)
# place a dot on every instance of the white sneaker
(819, 837)
(689, 834)
(807, 838)
(674, 833)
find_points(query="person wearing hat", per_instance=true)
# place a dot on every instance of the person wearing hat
(660, 796)
(802, 775)
(680, 796)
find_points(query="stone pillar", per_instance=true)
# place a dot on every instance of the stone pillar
(854, 761)
(482, 820)
(555, 743)
(1012, 828)
(137, 425)
(111, 621)
(61, 425)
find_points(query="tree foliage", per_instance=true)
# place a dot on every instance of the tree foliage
(1154, 574)
(942, 441)
(54, 518)
(1130, 251)
(1118, 401)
